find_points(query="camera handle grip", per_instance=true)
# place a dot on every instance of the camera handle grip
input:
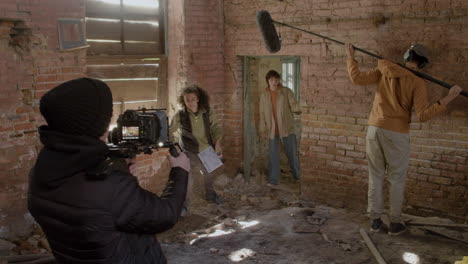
(173, 151)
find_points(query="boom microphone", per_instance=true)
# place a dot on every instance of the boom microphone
(273, 43)
(268, 30)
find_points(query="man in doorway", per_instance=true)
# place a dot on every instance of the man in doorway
(277, 108)
(387, 141)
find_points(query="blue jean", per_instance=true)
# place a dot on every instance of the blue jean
(290, 146)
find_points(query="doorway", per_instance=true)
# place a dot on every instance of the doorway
(255, 149)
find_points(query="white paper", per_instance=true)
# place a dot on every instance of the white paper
(209, 159)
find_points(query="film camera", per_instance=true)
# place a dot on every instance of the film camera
(140, 131)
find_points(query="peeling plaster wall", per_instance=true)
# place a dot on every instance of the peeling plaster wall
(335, 112)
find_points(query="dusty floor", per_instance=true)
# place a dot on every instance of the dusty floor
(272, 226)
(258, 224)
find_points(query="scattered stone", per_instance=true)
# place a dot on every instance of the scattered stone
(305, 228)
(5, 247)
(316, 220)
(214, 250)
(229, 222)
(45, 244)
(345, 246)
(241, 218)
(33, 241)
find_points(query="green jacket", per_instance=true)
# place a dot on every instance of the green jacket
(287, 105)
(197, 130)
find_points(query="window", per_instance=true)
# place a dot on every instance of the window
(127, 50)
(290, 73)
(131, 27)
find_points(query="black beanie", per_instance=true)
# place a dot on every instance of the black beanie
(79, 107)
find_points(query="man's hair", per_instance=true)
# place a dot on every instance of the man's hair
(419, 60)
(417, 54)
(202, 95)
(272, 74)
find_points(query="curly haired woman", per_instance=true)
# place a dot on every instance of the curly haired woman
(198, 129)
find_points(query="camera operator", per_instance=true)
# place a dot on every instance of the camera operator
(91, 207)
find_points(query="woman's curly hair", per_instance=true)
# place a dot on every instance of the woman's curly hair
(203, 97)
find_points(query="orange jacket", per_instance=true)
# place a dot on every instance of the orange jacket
(398, 90)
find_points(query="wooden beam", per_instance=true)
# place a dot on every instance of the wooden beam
(372, 247)
(125, 59)
(436, 224)
(114, 71)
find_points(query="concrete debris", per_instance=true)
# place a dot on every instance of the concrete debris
(325, 237)
(316, 220)
(5, 246)
(214, 250)
(345, 246)
(305, 228)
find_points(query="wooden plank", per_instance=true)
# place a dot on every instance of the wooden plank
(372, 247)
(98, 29)
(140, 13)
(98, 9)
(141, 32)
(104, 48)
(112, 71)
(162, 25)
(123, 91)
(142, 48)
(125, 59)
(436, 224)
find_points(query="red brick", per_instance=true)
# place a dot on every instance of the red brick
(24, 126)
(24, 109)
(46, 78)
(462, 168)
(429, 171)
(440, 180)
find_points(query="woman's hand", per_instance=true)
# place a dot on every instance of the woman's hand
(131, 163)
(218, 148)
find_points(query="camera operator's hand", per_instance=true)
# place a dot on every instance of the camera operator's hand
(181, 161)
(131, 163)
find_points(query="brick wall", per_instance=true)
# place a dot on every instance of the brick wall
(335, 111)
(30, 65)
(196, 56)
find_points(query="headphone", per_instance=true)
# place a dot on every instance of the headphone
(409, 54)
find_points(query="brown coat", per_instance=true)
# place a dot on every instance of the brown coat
(398, 90)
(286, 106)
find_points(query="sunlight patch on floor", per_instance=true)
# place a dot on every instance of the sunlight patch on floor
(247, 224)
(411, 258)
(241, 254)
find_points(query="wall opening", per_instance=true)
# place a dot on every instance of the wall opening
(256, 149)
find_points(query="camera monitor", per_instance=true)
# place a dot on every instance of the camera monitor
(130, 132)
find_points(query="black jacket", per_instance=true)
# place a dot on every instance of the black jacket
(93, 210)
